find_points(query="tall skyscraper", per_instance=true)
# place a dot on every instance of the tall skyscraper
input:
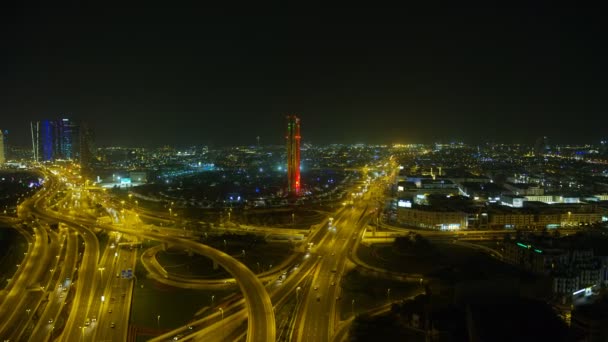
(542, 147)
(7, 150)
(2, 151)
(47, 136)
(55, 139)
(86, 139)
(67, 140)
(293, 155)
(35, 130)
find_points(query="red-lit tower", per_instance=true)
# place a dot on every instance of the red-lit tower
(293, 155)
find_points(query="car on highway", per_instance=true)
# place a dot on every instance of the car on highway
(112, 325)
(318, 298)
(50, 320)
(110, 311)
(316, 287)
(87, 322)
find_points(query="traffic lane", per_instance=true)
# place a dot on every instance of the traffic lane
(117, 302)
(261, 316)
(16, 296)
(86, 284)
(106, 268)
(317, 325)
(42, 331)
(36, 299)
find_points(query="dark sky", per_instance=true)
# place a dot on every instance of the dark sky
(154, 76)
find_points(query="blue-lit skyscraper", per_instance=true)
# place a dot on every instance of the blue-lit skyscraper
(66, 139)
(55, 139)
(47, 140)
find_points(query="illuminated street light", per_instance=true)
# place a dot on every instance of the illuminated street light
(222, 311)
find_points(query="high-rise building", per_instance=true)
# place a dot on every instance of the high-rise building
(293, 155)
(2, 148)
(542, 147)
(55, 139)
(47, 138)
(86, 139)
(7, 149)
(67, 140)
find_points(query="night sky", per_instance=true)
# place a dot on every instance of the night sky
(156, 76)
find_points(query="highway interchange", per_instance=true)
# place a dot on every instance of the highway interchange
(68, 288)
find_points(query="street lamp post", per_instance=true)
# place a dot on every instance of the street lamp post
(222, 311)
(388, 294)
(212, 298)
(101, 272)
(352, 304)
(158, 321)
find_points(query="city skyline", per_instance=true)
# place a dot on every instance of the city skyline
(160, 76)
(449, 182)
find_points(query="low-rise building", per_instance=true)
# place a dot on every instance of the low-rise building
(570, 269)
(430, 217)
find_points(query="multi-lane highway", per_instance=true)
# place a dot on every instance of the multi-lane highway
(79, 325)
(318, 314)
(97, 303)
